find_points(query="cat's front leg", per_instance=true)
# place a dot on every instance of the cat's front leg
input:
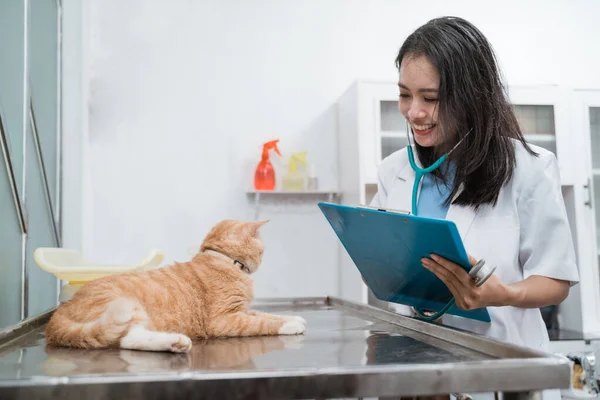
(279, 317)
(244, 324)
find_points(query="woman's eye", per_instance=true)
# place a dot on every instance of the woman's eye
(404, 96)
(431, 100)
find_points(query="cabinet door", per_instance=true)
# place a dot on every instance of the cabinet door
(586, 134)
(593, 120)
(41, 189)
(382, 127)
(12, 79)
(537, 124)
(29, 106)
(11, 240)
(391, 128)
(543, 115)
(12, 108)
(44, 79)
(591, 126)
(42, 230)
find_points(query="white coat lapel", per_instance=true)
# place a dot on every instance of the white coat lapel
(462, 216)
(401, 197)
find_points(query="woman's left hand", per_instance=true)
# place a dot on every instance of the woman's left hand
(493, 292)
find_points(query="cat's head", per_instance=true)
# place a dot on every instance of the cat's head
(239, 240)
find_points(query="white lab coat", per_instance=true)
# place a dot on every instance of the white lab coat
(526, 233)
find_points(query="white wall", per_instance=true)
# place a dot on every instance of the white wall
(182, 93)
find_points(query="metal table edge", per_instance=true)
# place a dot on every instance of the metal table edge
(556, 370)
(500, 368)
(454, 335)
(14, 332)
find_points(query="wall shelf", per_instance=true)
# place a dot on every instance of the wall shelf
(330, 195)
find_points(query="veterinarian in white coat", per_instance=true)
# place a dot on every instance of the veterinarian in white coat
(504, 196)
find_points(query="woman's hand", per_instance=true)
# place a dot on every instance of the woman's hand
(493, 292)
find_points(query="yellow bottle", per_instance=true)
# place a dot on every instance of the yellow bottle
(295, 180)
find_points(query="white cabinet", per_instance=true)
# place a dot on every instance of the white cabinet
(544, 116)
(581, 311)
(29, 154)
(371, 128)
(589, 112)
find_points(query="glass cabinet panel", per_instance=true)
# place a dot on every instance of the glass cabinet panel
(43, 78)
(41, 145)
(537, 124)
(12, 76)
(393, 128)
(42, 284)
(12, 72)
(594, 113)
(595, 139)
(11, 240)
(391, 119)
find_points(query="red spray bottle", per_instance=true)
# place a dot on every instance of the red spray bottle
(264, 177)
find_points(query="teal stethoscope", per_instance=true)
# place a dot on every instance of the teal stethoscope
(479, 273)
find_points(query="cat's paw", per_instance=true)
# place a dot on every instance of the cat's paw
(293, 327)
(181, 344)
(295, 318)
(299, 319)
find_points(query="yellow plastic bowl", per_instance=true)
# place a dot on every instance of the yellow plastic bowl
(69, 265)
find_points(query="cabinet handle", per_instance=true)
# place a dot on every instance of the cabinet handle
(42, 165)
(11, 176)
(589, 190)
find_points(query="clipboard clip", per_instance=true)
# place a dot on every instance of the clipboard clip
(390, 210)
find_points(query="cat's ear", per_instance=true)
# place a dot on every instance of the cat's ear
(253, 227)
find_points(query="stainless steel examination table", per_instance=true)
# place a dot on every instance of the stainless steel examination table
(348, 350)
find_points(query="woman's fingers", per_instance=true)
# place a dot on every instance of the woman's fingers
(444, 275)
(466, 295)
(459, 273)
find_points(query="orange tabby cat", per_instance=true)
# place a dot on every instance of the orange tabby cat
(160, 310)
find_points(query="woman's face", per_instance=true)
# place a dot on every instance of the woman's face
(419, 84)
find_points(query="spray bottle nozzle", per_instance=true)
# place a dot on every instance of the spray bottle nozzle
(295, 159)
(268, 146)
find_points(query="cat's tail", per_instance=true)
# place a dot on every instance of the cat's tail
(106, 331)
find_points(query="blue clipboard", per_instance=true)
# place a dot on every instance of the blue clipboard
(387, 247)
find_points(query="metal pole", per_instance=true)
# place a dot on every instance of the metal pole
(40, 157)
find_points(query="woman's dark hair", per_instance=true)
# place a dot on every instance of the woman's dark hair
(471, 96)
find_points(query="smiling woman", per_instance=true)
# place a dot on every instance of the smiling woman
(450, 84)
(503, 195)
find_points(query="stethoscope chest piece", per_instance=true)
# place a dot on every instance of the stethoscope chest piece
(481, 272)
